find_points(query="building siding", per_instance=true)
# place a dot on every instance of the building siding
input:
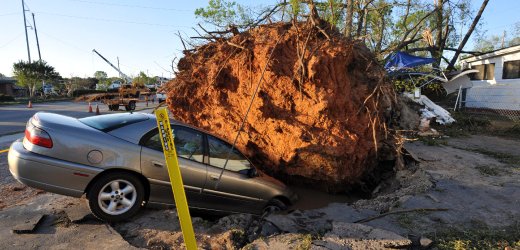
(496, 93)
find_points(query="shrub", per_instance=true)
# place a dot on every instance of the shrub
(6, 98)
(80, 92)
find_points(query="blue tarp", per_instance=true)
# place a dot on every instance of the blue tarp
(400, 60)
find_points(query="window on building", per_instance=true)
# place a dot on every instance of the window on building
(485, 72)
(511, 70)
(490, 71)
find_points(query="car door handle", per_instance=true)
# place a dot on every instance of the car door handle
(157, 164)
(214, 177)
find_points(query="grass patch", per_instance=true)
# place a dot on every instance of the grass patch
(465, 125)
(25, 100)
(411, 220)
(432, 141)
(405, 221)
(511, 132)
(468, 124)
(501, 157)
(481, 237)
(305, 242)
(487, 170)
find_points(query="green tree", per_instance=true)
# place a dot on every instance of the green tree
(494, 42)
(142, 79)
(222, 13)
(33, 74)
(102, 78)
(422, 27)
(74, 83)
(100, 75)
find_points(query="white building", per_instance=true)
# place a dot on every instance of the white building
(497, 85)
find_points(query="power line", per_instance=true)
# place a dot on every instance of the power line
(12, 40)
(9, 14)
(66, 43)
(112, 20)
(130, 6)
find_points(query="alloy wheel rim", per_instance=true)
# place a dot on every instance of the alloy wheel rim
(117, 197)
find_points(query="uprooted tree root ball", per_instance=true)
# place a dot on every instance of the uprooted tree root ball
(321, 111)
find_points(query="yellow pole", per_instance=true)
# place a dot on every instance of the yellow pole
(174, 171)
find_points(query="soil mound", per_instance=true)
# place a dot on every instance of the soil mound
(321, 110)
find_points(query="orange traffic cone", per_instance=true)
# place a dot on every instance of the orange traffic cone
(29, 105)
(89, 107)
(97, 109)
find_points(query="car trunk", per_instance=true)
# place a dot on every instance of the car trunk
(76, 142)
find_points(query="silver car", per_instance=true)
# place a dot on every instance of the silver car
(117, 161)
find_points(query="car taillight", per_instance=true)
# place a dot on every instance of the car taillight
(37, 136)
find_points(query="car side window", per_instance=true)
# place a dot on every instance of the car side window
(188, 143)
(219, 150)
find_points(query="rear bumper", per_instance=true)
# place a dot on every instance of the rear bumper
(49, 174)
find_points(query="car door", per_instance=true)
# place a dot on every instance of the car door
(189, 145)
(235, 191)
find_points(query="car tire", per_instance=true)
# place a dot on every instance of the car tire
(116, 196)
(114, 107)
(130, 106)
(274, 205)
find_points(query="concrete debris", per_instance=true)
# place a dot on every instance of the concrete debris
(282, 242)
(425, 242)
(359, 236)
(29, 225)
(78, 213)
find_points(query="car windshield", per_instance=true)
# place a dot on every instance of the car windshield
(108, 123)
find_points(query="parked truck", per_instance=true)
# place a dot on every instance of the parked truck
(128, 95)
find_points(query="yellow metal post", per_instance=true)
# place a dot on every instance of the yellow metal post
(174, 171)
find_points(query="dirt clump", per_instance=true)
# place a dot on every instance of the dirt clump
(320, 115)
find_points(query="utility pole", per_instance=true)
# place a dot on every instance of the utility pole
(26, 36)
(118, 67)
(37, 42)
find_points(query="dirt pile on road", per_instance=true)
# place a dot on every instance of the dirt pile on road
(321, 110)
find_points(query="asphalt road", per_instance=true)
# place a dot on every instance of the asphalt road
(14, 117)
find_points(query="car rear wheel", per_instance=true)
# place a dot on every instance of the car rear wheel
(275, 205)
(116, 196)
(130, 106)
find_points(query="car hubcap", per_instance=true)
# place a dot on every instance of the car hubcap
(117, 197)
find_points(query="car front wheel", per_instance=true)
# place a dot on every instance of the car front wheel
(114, 107)
(116, 196)
(275, 205)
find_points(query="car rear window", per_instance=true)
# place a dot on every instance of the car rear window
(108, 123)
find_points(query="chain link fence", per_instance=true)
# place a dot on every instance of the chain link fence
(495, 100)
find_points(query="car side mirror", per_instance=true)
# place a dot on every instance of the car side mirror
(252, 172)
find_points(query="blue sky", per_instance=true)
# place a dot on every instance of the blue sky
(140, 33)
